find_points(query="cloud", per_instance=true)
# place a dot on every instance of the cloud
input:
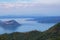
(40, 1)
(32, 1)
(17, 5)
(28, 3)
(30, 7)
(48, 1)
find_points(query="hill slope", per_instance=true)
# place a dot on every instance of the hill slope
(51, 34)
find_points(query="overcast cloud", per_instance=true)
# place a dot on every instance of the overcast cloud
(30, 7)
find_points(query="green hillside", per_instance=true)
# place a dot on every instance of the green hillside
(51, 34)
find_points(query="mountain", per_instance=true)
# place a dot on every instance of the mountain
(32, 35)
(51, 19)
(46, 19)
(55, 28)
(54, 32)
(51, 34)
(9, 25)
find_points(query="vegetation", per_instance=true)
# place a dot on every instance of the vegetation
(51, 34)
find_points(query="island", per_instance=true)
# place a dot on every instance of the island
(9, 25)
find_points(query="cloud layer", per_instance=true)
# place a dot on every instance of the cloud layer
(29, 7)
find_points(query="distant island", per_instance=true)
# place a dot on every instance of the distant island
(9, 25)
(39, 19)
(51, 34)
(48, 19)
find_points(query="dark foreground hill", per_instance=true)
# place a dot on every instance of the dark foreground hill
(51, 34)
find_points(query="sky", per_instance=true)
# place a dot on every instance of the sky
(30, 7)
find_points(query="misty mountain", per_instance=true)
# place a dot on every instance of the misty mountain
(39, 19)
(47, 19)
(9, 25)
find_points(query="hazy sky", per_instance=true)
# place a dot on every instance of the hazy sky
(30, 7)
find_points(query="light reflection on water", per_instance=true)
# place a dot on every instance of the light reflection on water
(27, 25)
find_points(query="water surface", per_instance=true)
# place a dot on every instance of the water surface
(27, 25)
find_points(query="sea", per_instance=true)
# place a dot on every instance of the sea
(27, 25)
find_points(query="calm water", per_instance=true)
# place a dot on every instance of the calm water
(27, 25)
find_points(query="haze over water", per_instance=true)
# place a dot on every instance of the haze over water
(27, 26)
